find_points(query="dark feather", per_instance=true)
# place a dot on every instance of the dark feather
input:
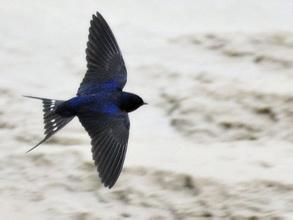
(109, 134)
(52, 121)
(104, 60)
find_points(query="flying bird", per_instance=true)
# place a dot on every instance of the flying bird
(100, 104)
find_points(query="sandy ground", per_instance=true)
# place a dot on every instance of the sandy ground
(215, 141)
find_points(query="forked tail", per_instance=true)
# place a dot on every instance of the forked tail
(52, 121)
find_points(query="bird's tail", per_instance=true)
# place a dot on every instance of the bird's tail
(53, 122)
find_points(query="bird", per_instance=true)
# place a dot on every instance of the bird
(100, 104)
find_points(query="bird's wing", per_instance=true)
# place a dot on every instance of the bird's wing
(105, 65)
(109, 138)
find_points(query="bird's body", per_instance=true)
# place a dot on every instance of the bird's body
(100, 104)
(105, 102)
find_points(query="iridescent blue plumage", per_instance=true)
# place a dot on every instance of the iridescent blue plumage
(101, 105)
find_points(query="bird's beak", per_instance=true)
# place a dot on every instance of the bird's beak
(145, 103)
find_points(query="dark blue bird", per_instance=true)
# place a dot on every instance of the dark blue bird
(100, 104)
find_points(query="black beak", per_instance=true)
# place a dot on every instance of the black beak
(145, 103)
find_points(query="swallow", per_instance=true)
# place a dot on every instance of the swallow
(100, 104)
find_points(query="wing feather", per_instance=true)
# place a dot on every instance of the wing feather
(117, 170)
(105, 63)
(109, 136)
(110, 166)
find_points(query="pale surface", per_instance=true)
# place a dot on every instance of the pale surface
(215, 141)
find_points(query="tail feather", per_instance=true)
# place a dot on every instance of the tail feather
(52, 121)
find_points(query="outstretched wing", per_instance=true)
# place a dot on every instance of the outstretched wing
(106, 68)
(109, 138)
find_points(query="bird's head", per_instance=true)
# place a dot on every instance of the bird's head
(131, 102)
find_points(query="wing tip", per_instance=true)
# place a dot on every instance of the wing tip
(109, 184)
(97, 15)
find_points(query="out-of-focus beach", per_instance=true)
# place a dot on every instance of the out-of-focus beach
(215, 141)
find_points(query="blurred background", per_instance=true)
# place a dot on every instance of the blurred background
(215, 141)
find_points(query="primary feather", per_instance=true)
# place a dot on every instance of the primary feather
(106, 68)
(109, 136)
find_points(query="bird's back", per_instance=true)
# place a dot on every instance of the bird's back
(104, 102)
